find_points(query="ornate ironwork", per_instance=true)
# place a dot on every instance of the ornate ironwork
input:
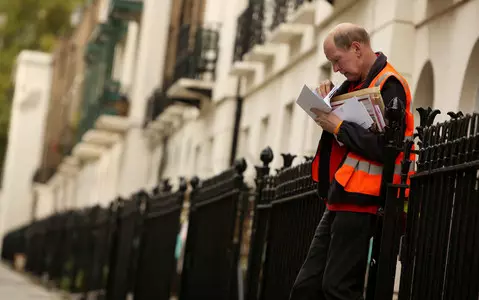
(284, 9)
(242, 33)
(436, 251)
(250, 29)
(196, 57)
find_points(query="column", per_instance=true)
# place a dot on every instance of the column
(148, 76)
(26, 132)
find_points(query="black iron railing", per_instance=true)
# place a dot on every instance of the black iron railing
(439, 255)
(265, 192)
(250, 29)
(123, 259)
(134, 250)
(242, 34)
(157, 103)
(197, 53)
(14, 244)
(213, 243)
(287, 213)
(284, 9)
(156, 264)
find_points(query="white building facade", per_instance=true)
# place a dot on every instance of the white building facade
(29, 108)
(433, 44)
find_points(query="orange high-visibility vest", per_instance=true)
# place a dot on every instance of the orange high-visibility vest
(360, 175)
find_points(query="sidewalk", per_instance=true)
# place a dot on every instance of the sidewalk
(17, 287)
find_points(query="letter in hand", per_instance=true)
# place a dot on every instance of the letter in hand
(324, 88)
(328, 121)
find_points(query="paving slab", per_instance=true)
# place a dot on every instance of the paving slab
(16, 286)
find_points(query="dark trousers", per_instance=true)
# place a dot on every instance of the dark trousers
(336, 263)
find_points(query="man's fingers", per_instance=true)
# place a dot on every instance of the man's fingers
(317, 112)
(325, 87)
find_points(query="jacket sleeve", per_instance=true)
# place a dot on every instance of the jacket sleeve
(364, 142)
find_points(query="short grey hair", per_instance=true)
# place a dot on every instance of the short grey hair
(343, 39)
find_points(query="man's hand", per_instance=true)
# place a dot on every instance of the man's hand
(328, 121)
(324, 88)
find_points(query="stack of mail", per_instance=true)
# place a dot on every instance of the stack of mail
(364, 108)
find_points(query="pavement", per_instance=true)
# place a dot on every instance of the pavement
(16, 286)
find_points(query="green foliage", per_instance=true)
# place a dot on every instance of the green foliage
(32, 25)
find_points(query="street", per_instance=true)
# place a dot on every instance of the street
(14, 286)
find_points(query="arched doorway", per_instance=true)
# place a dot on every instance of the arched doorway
(469, 100)
(424, 94)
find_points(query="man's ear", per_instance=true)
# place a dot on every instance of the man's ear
(356, 48)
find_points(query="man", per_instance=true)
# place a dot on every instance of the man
(349, 177)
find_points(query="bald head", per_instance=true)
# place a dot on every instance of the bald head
(347, 46)
(344, 34)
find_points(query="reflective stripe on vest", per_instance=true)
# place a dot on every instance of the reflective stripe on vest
(360, 175)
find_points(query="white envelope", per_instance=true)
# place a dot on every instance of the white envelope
(308, 99)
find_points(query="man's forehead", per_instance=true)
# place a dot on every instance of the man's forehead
(329, 49)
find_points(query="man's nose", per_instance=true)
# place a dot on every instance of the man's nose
(335, 68)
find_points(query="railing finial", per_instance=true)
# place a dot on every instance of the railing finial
(287, 159)
(183, 186)
(454, 115)
(266, 156)
(240, 165)
(194, 182)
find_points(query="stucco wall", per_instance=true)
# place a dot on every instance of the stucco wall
(26, 132)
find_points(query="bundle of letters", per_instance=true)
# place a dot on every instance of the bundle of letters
(370, 99)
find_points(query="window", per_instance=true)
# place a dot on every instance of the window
(263, 133)
(197, 159)
(187, 150)
(286, 132)
(325, 72)
(210, 153)
(244, 143)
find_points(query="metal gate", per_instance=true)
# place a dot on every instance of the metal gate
(440, 249)
(210, 270)
(156, 265)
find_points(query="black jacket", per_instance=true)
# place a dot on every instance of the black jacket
(362, 141)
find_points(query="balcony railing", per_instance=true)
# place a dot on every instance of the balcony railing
(250, 29)
(197, 53)
(126, 9)
(157, 103)
(284, 9)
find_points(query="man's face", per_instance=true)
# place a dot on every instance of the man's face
(345, 61)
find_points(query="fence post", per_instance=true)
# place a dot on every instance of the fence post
(272, 194)
(259, 227)
(387, 239)
(190, 237)
(427, 117)
(141, 199)
(237, 290)
(117, 207)
(386, 221)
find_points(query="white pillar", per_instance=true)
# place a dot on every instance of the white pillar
(26, 132)
(129, 58)
(46, 199)
(394, 32)
(148, 76)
